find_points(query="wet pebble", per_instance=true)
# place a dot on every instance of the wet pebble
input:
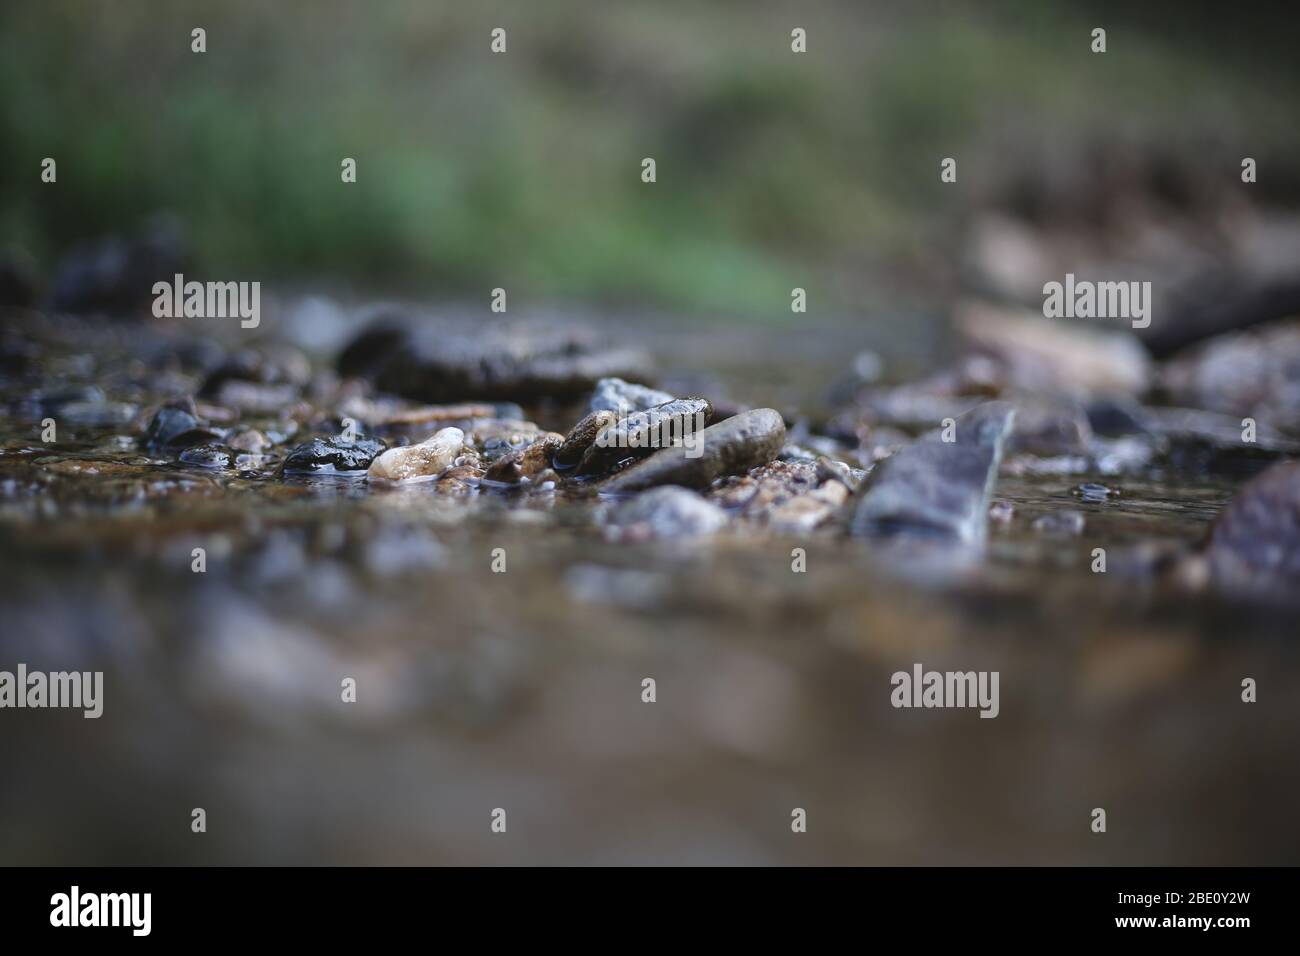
(730, 447)
(175, 427)
(209, 455)
(679, 422)
(525, 464)
(1093, 491)
(581, 437)
(935, 488)
(324, 455)
(428, 459)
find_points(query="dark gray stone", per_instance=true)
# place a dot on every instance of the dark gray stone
(934, 488)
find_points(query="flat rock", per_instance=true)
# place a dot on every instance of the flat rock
(730, 447)
(934, 488)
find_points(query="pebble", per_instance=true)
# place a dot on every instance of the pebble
(209, 455)
(668, 512)
(680, 421)
(331, 455)
(934, 488)
(828, 469)
(1050, 428)
(173, 428)
(97, 414)
(429, 459)
(623, 398)
(1254, 544)
(1250, 373)
(803, 513)
(1092, 491)
(582, 435)
(730, 447)
(525, 464)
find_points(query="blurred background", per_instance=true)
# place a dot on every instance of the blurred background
(521, 170)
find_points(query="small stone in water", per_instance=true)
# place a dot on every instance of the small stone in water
(210, 455)
(677, 422)
(1092, 491)
(525, 463)
(332, 454)
(938, 488)
(428, 459)
(730, 447)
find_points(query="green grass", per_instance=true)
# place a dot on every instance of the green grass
(522, 170)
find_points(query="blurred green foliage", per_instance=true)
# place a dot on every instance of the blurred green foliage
(523, 170)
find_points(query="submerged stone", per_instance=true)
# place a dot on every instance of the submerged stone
(936, 488)
(730, 447)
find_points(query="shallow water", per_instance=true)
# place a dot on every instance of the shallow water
(522, 690)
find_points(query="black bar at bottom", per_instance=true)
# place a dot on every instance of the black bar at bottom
(370, 905)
